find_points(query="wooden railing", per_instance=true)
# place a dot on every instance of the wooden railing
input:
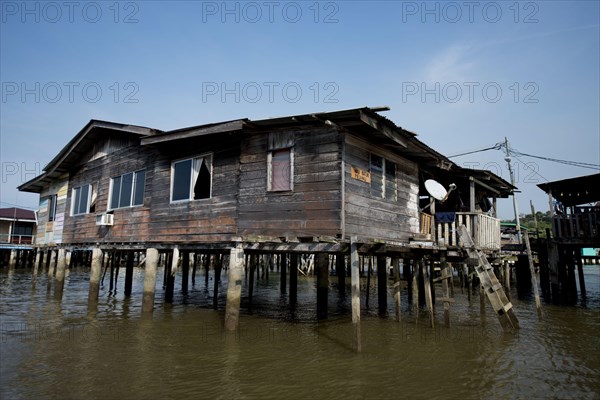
(484, 230)
(583, 224)
(16, 239)
(425, 224)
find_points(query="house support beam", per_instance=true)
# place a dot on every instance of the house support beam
(340, 270)
(149, 280)
(293, 278)
(382, 284)
(129, 274)
(61, 265)
(396, 266)
(322, 266)
(355, 280)
(427, 289)
(283, 273)
(95, 270)
(171, 276)
(12, 263)
(234, 288)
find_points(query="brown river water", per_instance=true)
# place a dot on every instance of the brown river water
(52, 350)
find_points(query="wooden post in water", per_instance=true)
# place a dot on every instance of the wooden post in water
(207, 268)
(195, 258)
(415, 285)
(185, 271)
(129, 273)
(171, 275)
(369, 266)
(293, 277)
(95, 277)
(355, 280)
(322, 267)
(581, 277)
(382, 284)
(36, 263)
(149, 280)
(282, 277)
(251, 277)
(538, 304)
(53, 260)
(12, 262)
(217, 279)
(427, 287)
(396, 266)
(446, 275)
(340, 270)
(506, 267)
(61, 265)
(234, 288)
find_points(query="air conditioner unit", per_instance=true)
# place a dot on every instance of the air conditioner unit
(105, 219)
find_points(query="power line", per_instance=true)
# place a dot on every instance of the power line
(567, 162)
(497, 146)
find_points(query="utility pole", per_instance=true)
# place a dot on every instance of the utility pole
(514, 196)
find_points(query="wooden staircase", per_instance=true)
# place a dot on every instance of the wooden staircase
(493, 288)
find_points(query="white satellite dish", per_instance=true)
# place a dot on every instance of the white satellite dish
(435, 189)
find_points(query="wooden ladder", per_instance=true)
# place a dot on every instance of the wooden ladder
(492, 287)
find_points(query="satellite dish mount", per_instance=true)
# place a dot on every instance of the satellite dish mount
(437, 191)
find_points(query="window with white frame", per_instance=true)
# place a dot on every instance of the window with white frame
(191, 178)
(80, 200)
(383, 178)
(127, 190)
(280, 170)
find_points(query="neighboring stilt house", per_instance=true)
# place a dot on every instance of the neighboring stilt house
(575, 209)
(309, 183)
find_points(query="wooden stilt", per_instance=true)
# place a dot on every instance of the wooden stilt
(382, 285)
(117, 269)
(217, 281)
(61, 265)
(415, 285)
(53, 260)
(206, 268)
(581, 277)
(322, 267)
(427, 288)
(340, 270)
(283, 273)
(113, 256)
(185, 271)
(538, 304)
(12, 263)
(355, 280)
(171, 275)
(446, 275)
(506, 267)
(47, 261)
(293, 278)
(251, 277)
(234, 288)
(195, 258)
(396, 265)
(369, 266)
(129, 273)
(95, 278)
(149, 280)
(36, 265)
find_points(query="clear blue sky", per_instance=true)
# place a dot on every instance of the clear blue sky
(438, 65)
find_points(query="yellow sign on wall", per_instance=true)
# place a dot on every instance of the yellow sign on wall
(361, 175)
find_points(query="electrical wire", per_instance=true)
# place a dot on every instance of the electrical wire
(497, 146)
(567, 162)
